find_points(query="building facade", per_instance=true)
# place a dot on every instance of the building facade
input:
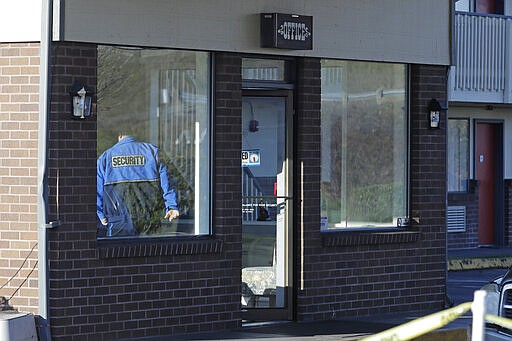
(479, 162)
(310, 183)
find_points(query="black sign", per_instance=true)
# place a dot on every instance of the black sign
(286, 31)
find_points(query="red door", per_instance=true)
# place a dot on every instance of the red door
(485, 162)
(486, 6)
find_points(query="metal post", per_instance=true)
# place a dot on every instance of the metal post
(478, 309)
(42, 192)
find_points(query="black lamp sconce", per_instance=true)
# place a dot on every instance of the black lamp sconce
(81, 100)
(254, 126)
(434, 113)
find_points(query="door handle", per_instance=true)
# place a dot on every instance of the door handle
(281, 205)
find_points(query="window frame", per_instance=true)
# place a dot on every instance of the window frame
(167, 243)
(468, 154)
(331, 235)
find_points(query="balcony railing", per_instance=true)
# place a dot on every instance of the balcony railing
(483, 59)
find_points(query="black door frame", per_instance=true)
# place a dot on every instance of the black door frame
(287, 313)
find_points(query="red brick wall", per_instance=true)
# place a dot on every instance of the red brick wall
(19, 106)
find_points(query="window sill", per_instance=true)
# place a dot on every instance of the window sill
(373, 236)
(153, 247)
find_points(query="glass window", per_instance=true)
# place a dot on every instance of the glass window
(480, 6)
(458, 155)
(263, 69)
(364, 144)
(464, 5)
(153, 142)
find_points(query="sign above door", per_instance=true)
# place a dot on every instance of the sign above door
(286, 31)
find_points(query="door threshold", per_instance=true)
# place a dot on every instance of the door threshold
(250, 324)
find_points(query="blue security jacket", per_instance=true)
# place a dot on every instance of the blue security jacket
(130, 162)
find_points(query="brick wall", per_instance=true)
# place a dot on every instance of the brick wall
(19, 100)
(508, 212)
(468, 238)
(108, 290)
(351, 274)
(76, 290)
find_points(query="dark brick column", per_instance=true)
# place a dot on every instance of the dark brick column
(307, 184)
(428, 150)
(428, 171)
(228, 144)
(72, 196)
(227, 180)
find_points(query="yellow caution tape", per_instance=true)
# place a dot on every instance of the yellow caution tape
(500, 321)
(420, 326)
(479, 263)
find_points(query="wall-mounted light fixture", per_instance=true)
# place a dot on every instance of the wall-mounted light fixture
(81, 99)
(254, 126)
(434, 113)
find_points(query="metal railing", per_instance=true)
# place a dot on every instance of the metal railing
(482, 60)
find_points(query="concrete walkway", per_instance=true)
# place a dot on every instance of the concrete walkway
(330, 330)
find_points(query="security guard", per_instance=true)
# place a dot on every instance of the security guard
(130, 186)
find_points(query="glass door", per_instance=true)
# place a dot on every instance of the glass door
(266, 205)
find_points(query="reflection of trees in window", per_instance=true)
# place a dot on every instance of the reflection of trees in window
(177, 120)
(159, 96)
(123, 93)
(128, 89)
(365, 181)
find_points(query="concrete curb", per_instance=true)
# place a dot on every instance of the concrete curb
(457, 264)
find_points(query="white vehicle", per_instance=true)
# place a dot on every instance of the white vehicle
(499, 303)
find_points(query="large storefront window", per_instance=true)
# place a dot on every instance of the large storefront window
(364, 144)
(458, 155)
(153, 142)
